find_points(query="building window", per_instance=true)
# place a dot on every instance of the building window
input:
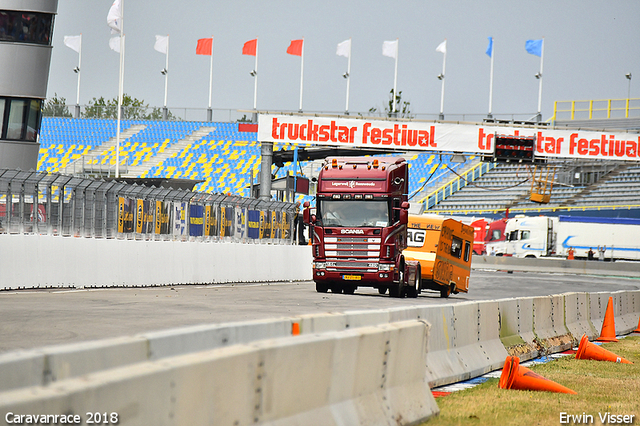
(26, 27)
(20, 119)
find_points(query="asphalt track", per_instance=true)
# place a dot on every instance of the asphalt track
(31, 319)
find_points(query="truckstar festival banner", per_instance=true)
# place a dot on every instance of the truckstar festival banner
(448, 137)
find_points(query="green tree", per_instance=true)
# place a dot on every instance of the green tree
(132, 108)
(156, 114)
(403, 108)
(56, 107)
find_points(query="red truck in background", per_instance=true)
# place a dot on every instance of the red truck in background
(359, 228)
(489, 237)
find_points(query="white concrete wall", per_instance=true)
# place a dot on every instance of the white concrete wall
(29, 261)
(369, 375)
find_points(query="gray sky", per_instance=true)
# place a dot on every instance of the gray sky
(589, 47)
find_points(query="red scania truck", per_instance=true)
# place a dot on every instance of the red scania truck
(359, 228)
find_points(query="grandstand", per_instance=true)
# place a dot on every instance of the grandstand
(221, 158)
(217, 155)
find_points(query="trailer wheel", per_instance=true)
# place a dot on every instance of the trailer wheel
(445, 292)
(322, 287)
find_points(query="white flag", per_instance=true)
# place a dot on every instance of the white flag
(161, 44)
(114, 17)
(73, 42)
(442, 47)
(114, 43)
(344, 48)
(390, 49)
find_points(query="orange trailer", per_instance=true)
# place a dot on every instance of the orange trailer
(444, 249)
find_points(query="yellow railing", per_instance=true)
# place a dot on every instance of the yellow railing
(598, 108)
(460, 181)
(539, 209)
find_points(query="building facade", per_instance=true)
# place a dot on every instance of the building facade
(26, 33)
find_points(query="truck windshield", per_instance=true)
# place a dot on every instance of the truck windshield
(353, 213)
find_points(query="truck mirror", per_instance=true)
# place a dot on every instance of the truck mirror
(404, 217)
(305, 213)
(404, 213)
(314, 219)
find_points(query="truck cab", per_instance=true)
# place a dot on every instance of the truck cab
(530, 236)
(359, 228)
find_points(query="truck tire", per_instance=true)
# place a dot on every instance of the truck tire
(382, 289)
(396, 291)
(322, 287)
(414, 288)
(349, 289)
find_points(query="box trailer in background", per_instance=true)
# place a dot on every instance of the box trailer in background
(542, 236)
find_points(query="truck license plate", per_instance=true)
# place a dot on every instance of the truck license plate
(352, 277)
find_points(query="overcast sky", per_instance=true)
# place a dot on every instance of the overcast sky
(589, 47)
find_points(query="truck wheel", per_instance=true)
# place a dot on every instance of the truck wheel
(349, 289)
(321, 287)
(382, 290)
(396, 291)
(414, 288)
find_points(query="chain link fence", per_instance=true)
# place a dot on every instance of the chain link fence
(62, 205)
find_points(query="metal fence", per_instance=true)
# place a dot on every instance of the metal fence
(62, 205)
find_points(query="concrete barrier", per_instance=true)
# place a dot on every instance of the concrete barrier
(444, 364)
(548, 324)
(370, 375)
(576, 314)
(557, 265)
(80, 262)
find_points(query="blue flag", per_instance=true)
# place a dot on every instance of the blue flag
(534, 47)
(490, 47)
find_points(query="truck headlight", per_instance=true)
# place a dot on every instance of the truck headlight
(319, 265)
(385, 267)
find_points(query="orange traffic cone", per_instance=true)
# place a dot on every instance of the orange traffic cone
(637, 330)
(515, 376)
(608, 332)
(588, 350)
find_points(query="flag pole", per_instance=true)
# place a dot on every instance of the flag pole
(491, 79)
(120, 90)
(539, 116)
(301, 73)
(395, 77)
(209, 110)
(444, 63)
(77, 112)
(255, 78)
(165, 112)
(348, 77)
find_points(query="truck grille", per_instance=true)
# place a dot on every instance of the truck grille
(352, 254)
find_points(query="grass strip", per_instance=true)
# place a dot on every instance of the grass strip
(604, 389)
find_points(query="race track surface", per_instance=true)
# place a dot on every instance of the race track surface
(31, 319)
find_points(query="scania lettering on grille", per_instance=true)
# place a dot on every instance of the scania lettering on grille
(352, 231)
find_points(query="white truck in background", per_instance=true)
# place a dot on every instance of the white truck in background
(542, 236)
